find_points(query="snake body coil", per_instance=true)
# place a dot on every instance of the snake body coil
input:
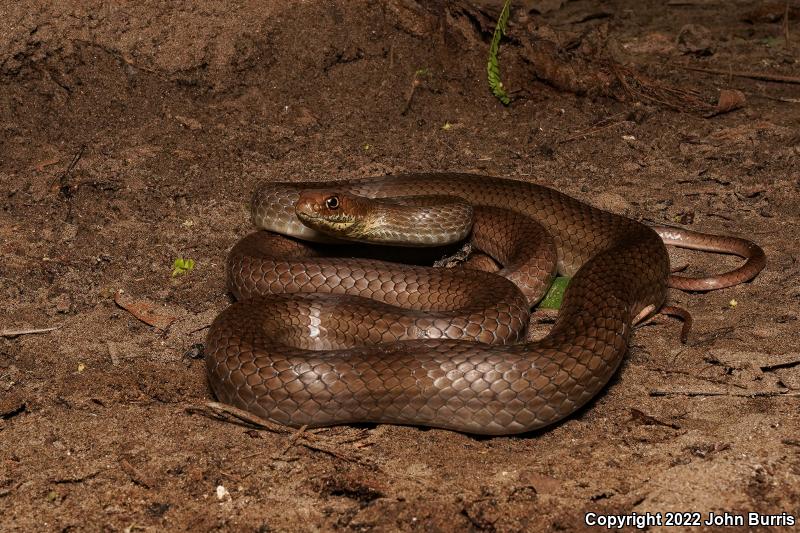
(300, 358)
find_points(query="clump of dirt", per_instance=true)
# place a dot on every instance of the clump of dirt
(133, 135)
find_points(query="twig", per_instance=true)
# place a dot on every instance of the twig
(293, 439)
(301, 437)
(778, 78)
(77, 157)
(135, 475)
(712, 336)
(230, 414)
(761, 394)
(590, 132)
(776, 98)
(778, 366)
(18, 332)
(12, 410)
(695, 375)
(337, 454)
(7, 491)
(195, 330)
(650, 420)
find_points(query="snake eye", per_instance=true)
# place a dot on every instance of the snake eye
(332, 202)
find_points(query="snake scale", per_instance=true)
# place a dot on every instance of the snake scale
(301, 346)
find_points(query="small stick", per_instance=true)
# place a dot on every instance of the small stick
(776, 98)
(72, 164)
(590, 132)
(228, 413)
(293, 439)
(695, 375)
(337, 454)
(712, 336)
(777, 366)
(195, 330)
(224, 412)
(779, 78)
(650, 420)
(768, 394)
(135, 475)
(7, 491)
(18, 332)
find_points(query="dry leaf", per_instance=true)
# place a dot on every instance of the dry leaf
(729, 99)
(148, 312)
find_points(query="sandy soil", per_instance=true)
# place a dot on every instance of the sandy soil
(131, 136)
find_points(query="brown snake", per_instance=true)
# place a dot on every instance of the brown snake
(300, 347)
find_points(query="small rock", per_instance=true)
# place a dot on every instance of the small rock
(696, 40)
(222, 493)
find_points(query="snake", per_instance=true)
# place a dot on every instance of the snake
(314, 340)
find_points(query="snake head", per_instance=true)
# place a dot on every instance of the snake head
(333, 212)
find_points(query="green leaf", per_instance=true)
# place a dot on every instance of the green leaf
(182, 266)
(555, 294)
(493, 66)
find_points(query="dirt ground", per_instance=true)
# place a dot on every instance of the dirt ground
(132, 136)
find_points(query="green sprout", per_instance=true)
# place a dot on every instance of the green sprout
(493, 67)
(182, 266)
(555, 294)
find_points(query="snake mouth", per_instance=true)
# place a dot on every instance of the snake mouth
(325, 223)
